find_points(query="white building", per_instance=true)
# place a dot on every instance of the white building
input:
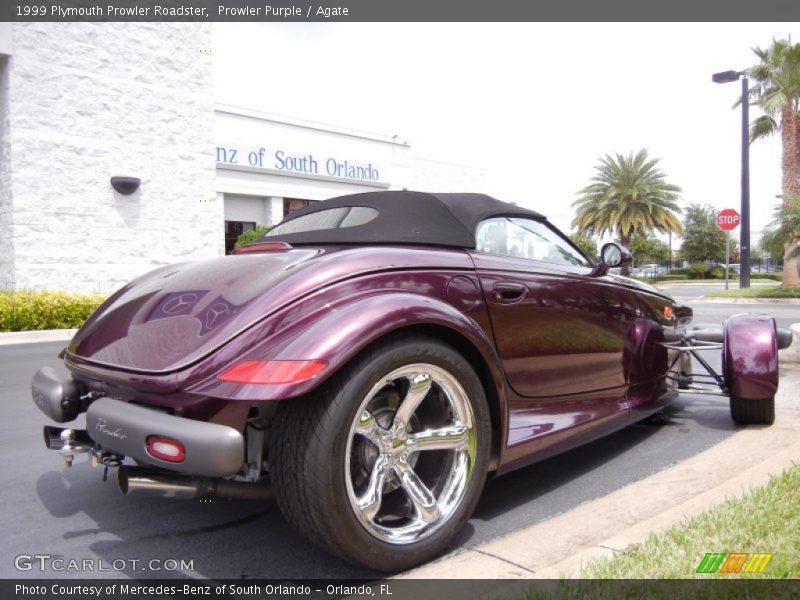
(81, 103)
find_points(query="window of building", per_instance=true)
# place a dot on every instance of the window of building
(292, 204)
(233, 229)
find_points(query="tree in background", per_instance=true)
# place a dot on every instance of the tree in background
(586, 242)
(772, 245)
(777, 93)
(702, 239)
(628, 194)
(757, 253)
(647, 248)
(784, 228)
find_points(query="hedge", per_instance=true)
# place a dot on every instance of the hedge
(703, 271)
(248, 237)
(29, 311)
(670, 278)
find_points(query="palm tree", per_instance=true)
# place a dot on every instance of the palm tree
(628, 195)
(777, 93)
(785, 226)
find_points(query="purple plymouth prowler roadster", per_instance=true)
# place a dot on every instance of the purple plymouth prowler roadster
(374, 357)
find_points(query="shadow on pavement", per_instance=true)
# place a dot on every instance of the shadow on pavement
(242, 539)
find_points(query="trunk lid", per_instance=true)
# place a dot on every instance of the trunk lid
(175, 315)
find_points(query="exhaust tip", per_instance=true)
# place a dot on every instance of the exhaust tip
(48, 437)
(142, 481)
(122, 480)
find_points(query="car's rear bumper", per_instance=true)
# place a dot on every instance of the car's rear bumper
(122, 428)
(211, 450)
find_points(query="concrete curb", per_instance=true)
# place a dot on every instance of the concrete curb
(31, 337)
(563, 545)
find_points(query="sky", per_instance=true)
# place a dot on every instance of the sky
(534, 104)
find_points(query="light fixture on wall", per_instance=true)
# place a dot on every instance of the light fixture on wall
(126, 185)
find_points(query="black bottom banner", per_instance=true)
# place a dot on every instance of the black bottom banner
(396, 589)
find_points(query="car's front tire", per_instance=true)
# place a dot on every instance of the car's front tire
(753, 412)
(384, 464)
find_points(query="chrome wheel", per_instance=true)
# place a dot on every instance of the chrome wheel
(411, 453)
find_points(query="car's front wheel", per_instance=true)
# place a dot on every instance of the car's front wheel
(753, 412)
(384, 464)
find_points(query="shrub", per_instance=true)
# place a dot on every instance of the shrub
(771, 276)
(663, 278)
(699, 271)
(248, 237)
(29, 311)
(672, 277)
(704, 271)
(719, 273)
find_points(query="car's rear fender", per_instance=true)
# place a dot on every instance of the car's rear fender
(337, 335)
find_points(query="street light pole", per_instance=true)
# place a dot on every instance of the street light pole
(744, 242)
(670, 251)
(744, 238)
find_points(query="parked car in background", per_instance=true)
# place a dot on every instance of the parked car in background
(372, 359)
(654, 269)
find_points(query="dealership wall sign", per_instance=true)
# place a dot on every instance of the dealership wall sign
(279, 161)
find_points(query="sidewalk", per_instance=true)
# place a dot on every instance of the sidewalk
(31, 337)
(562, 545)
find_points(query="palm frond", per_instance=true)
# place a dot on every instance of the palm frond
(777, 89)
(763, 126)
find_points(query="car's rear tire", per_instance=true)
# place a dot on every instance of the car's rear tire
(753, 412)
(384, 464)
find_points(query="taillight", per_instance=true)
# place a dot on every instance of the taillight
(164, 448)
(273, 371)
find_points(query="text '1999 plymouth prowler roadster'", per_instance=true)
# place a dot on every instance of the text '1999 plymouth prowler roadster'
(374, 357)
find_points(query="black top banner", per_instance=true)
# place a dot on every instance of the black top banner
(400, 10)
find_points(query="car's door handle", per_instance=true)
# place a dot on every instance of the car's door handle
(509, 292)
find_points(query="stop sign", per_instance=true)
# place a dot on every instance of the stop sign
(728, 219)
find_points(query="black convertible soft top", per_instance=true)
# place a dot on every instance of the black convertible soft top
(398, 218)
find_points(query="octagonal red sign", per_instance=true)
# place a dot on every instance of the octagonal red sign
(728, 219)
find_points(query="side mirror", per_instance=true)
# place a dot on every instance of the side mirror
(612, 256)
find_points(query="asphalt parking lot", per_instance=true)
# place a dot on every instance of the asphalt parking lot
(74, 514)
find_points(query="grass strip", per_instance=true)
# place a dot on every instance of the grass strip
(767, 520)
(758, 292)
